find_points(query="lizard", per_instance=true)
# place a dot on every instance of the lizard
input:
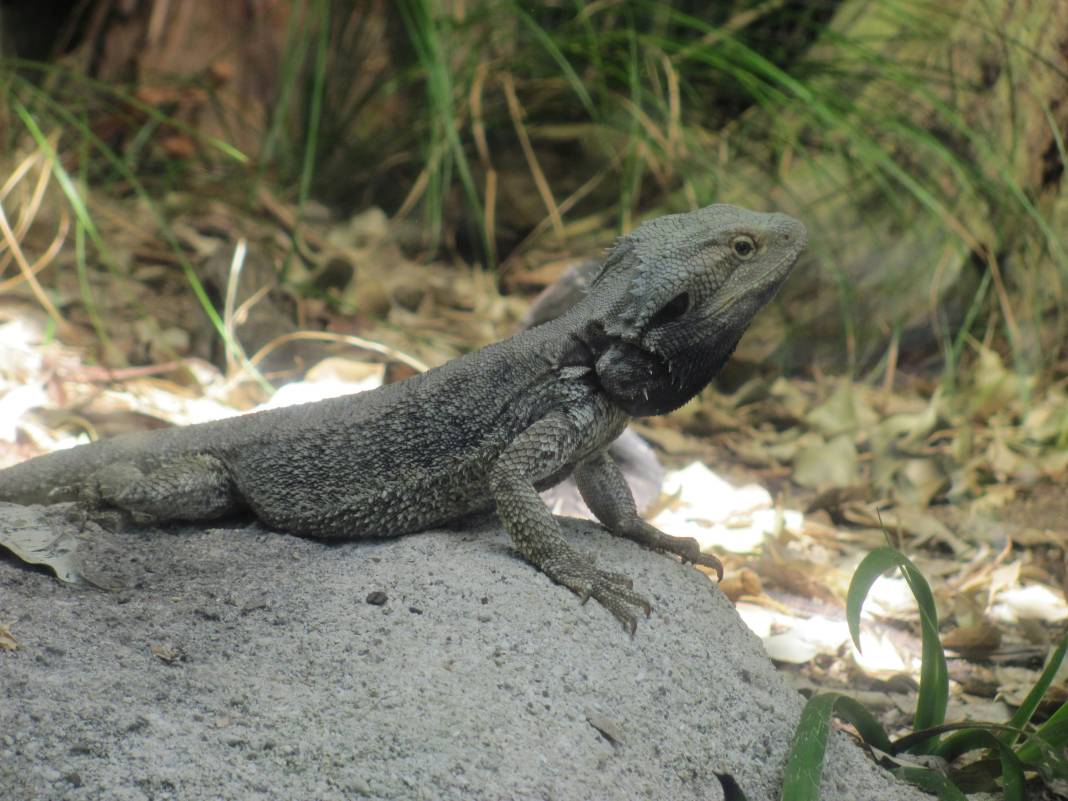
(484, 431)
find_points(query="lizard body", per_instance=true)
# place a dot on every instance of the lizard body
(486, 430)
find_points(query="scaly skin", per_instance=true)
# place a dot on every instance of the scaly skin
(488, 429)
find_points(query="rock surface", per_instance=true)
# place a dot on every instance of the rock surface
(237, 663)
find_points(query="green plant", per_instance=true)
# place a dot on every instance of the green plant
(1008, 750)
(30, 103)
(866, 123)
(899, 131)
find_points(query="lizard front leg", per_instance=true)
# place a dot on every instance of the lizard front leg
(540, 450)
(605, 491)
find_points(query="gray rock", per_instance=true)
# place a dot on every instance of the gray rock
(477, 679)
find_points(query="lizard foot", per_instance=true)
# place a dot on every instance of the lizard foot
(611, 590)
(685, 547)
(86, 511)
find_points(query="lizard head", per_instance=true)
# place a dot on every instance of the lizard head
(674, 297)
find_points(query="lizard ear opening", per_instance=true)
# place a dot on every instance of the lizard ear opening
(672, 310)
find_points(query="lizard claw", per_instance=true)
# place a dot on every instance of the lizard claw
(709, 561)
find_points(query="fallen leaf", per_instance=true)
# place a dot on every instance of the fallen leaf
(170, 654)
(804, 638)
(833, 499)
(920, 481)
(793, 400)
(1047, 420)
(923, 528)
(716, 513)
(672, 441)
(843, 412)
(608, 728)
(977, 641)
(994, 387)
(740, 583)
(1001, 459)
(7, 639)
(833, 464)
(1034, 602)
(31, 534)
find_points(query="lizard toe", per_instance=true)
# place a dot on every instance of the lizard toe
(620, 602)
(619, 579)
(687, 548)
(613, 591)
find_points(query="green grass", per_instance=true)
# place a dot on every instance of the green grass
(30, 104)
(1005, 762)
(896, 130)
(861, 125)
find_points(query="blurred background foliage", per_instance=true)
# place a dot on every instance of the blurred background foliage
(922, 142)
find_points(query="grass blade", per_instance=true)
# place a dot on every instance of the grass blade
(804, 767)
(934, 674)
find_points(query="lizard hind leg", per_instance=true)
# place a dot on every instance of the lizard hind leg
(193, 487)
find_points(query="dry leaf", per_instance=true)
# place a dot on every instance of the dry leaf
(833, 463)
(994, 387)
(7, 639)
(791, 398)
(833, 499)
(843, 412)
(923, 528)
(805, 638)
(920, 481)
(977, 641)
(1034, 602)
(33, 535)
(171, 654)
(802, 578)
(672, 441)
(609, 728)
(744, 582)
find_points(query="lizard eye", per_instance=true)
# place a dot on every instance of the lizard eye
(672, 310)
(744, 246)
